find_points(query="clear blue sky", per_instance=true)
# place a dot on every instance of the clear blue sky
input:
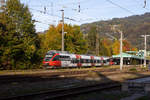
(91, 10)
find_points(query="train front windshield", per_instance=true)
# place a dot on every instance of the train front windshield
(47, 58)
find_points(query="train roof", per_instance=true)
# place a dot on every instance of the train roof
(54, 51)
(67, 53)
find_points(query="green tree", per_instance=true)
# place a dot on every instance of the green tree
(20, 41)
(91, 39)
(74, 41)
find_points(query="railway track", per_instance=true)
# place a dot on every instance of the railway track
(46, 76)
(57, 94)
(53, 76)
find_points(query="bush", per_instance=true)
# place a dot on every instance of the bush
(133, 69)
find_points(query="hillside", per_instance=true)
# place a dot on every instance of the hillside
(132, 26)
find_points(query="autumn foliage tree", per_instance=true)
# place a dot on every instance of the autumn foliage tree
(73, 39)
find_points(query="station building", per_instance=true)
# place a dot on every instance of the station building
(128, 59)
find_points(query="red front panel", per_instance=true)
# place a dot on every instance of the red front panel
(55, 63)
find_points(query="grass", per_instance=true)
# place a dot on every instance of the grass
(133, 69)
(34, 71)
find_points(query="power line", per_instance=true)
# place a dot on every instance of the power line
(36, 21)
(120, 6)
(43, 12)
(142, 4)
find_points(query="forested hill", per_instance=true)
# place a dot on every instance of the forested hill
(132, 26)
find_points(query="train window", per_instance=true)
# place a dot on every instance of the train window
(56, 58)
(98, 61)
(47, 58)
(64, 58)
(104, 61)
(82, 60)
(78, 61)
(94, 61)
(67, 58)
(87, 61)
(73, 61)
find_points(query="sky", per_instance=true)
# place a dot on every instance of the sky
(47, 12)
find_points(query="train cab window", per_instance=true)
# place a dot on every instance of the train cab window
(56, 58)
(47, 58)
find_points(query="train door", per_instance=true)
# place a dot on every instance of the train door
(102, 61)
(78, 57)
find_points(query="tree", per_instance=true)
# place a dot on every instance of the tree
(106, 47)
(116, 47)
(73, 39)
(20, 41)
(52, 39)
(91, 39)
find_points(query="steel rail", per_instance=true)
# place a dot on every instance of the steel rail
(48, 95)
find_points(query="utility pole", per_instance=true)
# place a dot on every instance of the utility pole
(62, 48)
(121, 57)
(145, 36)
(115, 28)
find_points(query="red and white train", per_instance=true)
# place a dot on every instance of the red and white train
(64, 59)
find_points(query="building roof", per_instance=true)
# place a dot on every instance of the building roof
(127, 55)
